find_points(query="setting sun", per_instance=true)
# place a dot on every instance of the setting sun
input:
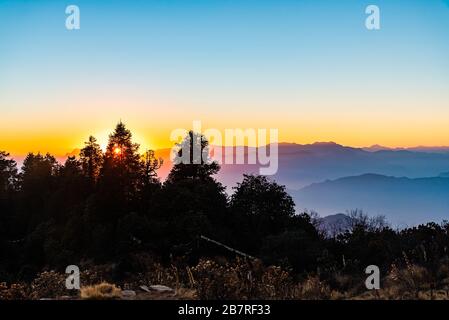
(117, 150)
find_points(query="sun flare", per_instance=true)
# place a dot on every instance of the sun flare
(117, 150)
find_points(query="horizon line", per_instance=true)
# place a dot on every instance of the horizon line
(76, 150)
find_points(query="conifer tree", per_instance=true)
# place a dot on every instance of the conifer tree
(91, 158)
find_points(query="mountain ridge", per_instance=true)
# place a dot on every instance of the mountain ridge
(402, 200)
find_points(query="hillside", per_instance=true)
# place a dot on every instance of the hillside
(404, 201)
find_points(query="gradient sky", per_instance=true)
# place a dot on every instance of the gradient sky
(309, 68)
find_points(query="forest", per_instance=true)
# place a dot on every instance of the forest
(109, 213)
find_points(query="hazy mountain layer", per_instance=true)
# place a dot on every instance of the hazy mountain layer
(403, 201)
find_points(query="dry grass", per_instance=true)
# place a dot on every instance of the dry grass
(314, 289)
(102, 291)
(241, 279)
(246, 279)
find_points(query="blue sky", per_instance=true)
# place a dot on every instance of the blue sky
(286, 64)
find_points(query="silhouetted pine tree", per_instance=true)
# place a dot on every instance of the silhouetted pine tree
(8, 174)
(192, 160)
(91, 158)
(120, 176)
(192, 202)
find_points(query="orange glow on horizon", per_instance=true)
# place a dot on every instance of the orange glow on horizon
(60, 140)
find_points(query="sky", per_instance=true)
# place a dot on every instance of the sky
(309, 68)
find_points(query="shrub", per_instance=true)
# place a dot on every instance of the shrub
(408, 282)
(242, 280)
(16, 291)
(49, 284)
(275, 284)
(314, 289)
(96, 274)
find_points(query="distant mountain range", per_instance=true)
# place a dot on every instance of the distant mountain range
(403, 201)
(441, 149)
(302, 165)
(408, 186)
(335, 224)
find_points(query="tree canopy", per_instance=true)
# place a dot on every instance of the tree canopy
(110, 206)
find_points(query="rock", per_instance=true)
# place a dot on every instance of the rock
(160, 288)
(145, 288)
(128, 293)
